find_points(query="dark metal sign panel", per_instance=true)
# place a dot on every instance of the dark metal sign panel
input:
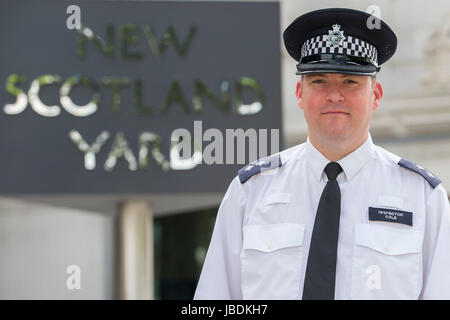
(107, 97)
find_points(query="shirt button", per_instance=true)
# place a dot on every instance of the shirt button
(269, 246)
(387, 249)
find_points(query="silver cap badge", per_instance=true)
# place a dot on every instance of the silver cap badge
(335, 36)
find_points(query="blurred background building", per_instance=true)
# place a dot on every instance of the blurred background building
(41, 238)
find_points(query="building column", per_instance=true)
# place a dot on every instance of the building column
(136, 250)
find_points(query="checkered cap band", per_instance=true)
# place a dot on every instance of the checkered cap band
(350, 46)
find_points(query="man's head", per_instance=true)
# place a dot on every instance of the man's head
(339, 54)
(338, 106)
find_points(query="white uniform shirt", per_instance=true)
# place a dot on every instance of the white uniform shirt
(260, 244)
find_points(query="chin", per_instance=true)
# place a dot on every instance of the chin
(336, 131)
(336, 134)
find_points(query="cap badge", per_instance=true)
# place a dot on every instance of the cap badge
(336, 36)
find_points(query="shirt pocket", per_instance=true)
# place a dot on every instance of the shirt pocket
(271, 259)
(387, 263)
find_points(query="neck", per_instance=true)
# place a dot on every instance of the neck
(335, 150)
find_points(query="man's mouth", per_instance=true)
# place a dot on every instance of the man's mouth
(335, 112)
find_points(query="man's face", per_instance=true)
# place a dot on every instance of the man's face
(338, 106)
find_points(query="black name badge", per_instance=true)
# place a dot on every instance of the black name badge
(390, 215)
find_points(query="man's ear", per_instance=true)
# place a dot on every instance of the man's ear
(299, 93)
(377, 95)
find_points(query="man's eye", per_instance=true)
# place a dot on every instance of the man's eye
(318, 81)
(349, 81)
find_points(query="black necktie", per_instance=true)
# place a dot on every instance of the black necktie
(321, 268)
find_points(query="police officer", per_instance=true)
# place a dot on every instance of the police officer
(336, 217)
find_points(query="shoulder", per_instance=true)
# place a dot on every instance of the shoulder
(418, 169)
(411, 167)
(265, 164)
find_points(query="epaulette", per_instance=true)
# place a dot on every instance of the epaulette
(270, 162)
(431, 178)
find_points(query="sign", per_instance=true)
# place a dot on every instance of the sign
(121, 97)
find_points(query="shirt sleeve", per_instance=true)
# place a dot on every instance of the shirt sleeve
(220, 278)
(436, 247)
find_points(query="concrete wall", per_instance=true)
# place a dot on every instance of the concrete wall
(38, 243)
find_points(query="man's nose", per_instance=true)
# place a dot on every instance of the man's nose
(334, 94)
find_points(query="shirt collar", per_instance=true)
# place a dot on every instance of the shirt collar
(350, 164)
